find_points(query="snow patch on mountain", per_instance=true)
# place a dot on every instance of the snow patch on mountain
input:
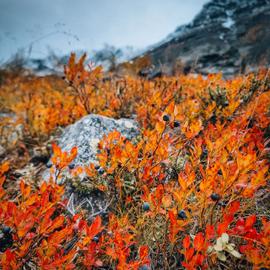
(228, 23)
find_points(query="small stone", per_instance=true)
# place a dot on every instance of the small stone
(144, 267)
(2, 150)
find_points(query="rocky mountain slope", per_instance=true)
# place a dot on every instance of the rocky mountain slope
(231, 36)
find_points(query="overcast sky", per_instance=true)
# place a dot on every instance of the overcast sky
(66, 25)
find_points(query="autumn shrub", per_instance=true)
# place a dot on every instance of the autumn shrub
(190, 192)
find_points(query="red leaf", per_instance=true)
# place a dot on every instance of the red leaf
(234, 207)
(172, 217)
(94, 228)
(210, 232)
(189, 253)
(199, 241)
(228, 219)
(143, 252)
(186, 242)
(240, 222)
(250, 221)
(25, 190)
(222, 228)
(199, 259)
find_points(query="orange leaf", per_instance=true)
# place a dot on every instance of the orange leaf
(31, 200)
(182, 181)
(73, 153)
(57, 222)
(167, 201)
(4, 168)
(178, 196)
(56, 149)
(59, 236)
(94, 228)
(24, 248)
(43, 187)
(25, 190)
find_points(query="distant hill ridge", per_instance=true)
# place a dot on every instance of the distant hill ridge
(228, 36)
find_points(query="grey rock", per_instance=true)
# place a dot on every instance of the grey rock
(11, 130)
(86, 134)
(2, 150)
(88, 131)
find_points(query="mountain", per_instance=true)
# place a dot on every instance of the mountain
(228, 36)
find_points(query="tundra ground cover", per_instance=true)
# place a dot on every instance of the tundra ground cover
(191, 192)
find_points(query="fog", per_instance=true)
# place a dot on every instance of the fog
(65, 25)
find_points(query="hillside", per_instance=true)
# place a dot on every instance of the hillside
(229, 36)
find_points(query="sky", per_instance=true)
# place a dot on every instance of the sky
(68, 25)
